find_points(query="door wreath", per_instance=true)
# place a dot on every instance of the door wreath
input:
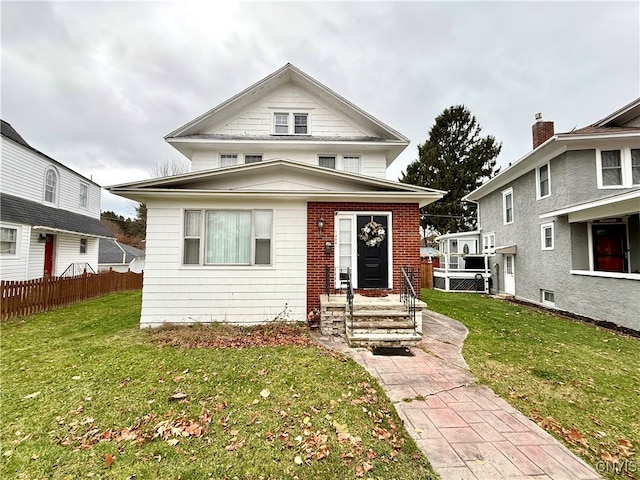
(372, 234)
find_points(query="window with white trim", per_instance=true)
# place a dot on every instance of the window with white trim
(546, 236)
(618, 168)
(547, 297)
(50, 185)
(327, 161)
(228, 159)
(351, 163)
(543, 183)
(488, 242)
(8, 241)
(507, 206)
(227, 237)
(252, 158)
(84, 195)
(286, 123)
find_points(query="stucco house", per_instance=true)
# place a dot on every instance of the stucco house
(285, 176)
(49, 214)
(119, 257)
(562, 223)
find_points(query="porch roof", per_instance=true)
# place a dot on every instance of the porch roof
(617, 205)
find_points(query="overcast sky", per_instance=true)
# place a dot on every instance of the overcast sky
(97, 85)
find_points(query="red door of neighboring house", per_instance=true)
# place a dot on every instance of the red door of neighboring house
(609, 244)
(48, 255)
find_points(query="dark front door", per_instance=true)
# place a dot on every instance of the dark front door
(48, 255)
(373, 261)
(609, 244)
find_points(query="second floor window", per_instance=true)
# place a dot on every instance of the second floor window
(546, 234)
(488, 242)
(84, 195)
(618, 168)
(252, 158)
(327, 161)
(50, 185)
(543, 181)
(351, 164)
(611, 167)
(507, 205)
(228, 160)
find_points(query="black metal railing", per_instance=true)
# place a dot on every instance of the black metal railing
(327, 280)
(350, 295)
(77, 269)
(408, 293)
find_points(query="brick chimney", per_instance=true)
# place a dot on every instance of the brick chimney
(542, 131)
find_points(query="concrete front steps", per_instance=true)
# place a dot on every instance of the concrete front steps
(377, 321)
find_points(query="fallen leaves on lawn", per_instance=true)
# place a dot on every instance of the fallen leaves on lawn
(146, 429)
(217, 335)
(108, 460)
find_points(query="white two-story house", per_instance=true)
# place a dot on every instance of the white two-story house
(49, 214)
(563, 223)
(285, 177)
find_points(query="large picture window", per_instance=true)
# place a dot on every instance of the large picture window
(227, 237)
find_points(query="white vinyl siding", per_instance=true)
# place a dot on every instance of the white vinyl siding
(192, 293)
(23, 175)
(323, 120)
(67, 251)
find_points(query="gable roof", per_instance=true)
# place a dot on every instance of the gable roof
(11, 133)
(112, 252)
(615, 125)
(236, 181)
(19, 210)
(288, 73)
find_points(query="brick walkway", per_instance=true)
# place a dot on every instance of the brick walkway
(466, 431)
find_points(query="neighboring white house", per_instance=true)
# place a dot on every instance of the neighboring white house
(119, 257)
(563, 222)
(284, 177)
(49, 214)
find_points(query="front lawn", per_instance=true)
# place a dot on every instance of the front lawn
(578, 381)
(86, 394)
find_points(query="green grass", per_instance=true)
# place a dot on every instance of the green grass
(86, 394)
(581, 382)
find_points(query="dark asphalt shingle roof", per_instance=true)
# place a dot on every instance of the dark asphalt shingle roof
(112, 252)
(19, 210)
(10, 132)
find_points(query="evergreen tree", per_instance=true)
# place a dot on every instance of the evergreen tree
(457, 159)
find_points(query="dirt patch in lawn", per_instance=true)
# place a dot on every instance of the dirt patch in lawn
(219, 335)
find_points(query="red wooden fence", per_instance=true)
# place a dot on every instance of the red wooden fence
(33, 296)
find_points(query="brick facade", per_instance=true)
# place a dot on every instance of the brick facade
(405, 230)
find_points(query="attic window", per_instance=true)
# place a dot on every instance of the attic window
(290, 123)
